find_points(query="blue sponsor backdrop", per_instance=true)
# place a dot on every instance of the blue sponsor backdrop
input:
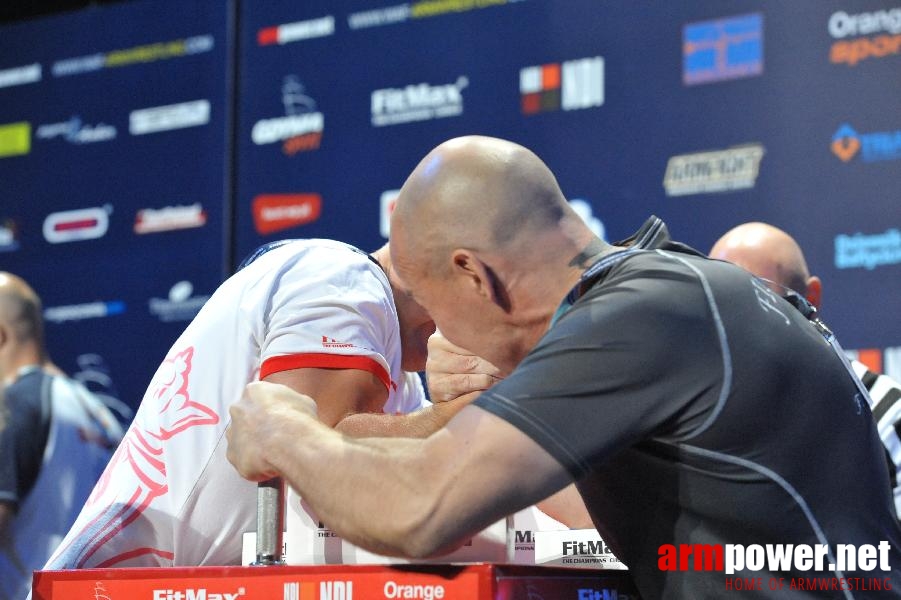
(704, 114)
(127, 110)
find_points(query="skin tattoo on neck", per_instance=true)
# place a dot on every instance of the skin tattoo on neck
(583, 258)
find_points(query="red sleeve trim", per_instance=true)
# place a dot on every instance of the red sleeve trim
(277, 364)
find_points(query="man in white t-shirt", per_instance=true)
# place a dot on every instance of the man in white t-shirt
(316, 315)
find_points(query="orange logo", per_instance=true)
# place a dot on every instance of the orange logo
(845, 143)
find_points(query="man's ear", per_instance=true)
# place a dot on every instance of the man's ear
(481, 276)
(814, 291)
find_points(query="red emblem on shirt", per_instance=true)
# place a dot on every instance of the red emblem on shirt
(141, 451)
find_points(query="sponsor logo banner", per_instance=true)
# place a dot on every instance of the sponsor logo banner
(75, 131)
(300, 130)
(130, 56)
(866, 35)
(892, 362)
(862, 251)
(722, 49)
(296, 31)
(714, 171)
(871, 147)
(398, 13)
(387, 203)
(277, 212)
(235, 584)
(575, 548)
(15, 139)
(180, 305)
(417, 102)
(571, 85)
(871, 357)
(171, 116)
(20, 75)
(9, 236)
(78, 312)
(886, 361)
(77, 225)
(169, 218)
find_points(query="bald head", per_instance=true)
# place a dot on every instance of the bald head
(20, 306)
(478, 192)
(20, 311)
(770, 253)
(486, 242)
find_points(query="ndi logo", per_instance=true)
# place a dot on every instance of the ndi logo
(571, 85)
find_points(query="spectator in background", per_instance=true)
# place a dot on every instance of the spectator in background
(775, 256)
(55, 440)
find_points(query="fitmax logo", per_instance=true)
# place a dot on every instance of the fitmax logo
(196, 594)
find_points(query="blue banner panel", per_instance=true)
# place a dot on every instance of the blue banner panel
(706, 114)
(114, 168)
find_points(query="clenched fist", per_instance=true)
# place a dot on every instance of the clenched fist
(266, 413)
(453, 372)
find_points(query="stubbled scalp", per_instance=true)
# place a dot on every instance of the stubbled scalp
(478, 192)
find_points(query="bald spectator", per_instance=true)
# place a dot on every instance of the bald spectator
(680, 395)
(55, 440)
(775, 256)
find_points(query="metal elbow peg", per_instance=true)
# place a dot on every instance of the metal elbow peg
(270, 522)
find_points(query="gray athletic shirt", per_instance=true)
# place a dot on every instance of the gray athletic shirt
(693, 406)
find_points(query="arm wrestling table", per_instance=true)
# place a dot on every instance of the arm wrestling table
(268, 578)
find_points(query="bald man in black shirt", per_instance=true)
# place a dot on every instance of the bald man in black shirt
(681, 395)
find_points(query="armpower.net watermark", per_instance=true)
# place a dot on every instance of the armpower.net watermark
(824, 568)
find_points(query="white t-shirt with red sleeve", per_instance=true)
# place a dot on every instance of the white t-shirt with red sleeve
(169, 497)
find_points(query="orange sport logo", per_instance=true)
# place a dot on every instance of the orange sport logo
(863, 36)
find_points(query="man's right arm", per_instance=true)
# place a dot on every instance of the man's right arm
(339, 393)
(456, 375)
(432, 493)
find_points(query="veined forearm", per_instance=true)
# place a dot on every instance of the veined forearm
(419, 424)
(371, 494)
